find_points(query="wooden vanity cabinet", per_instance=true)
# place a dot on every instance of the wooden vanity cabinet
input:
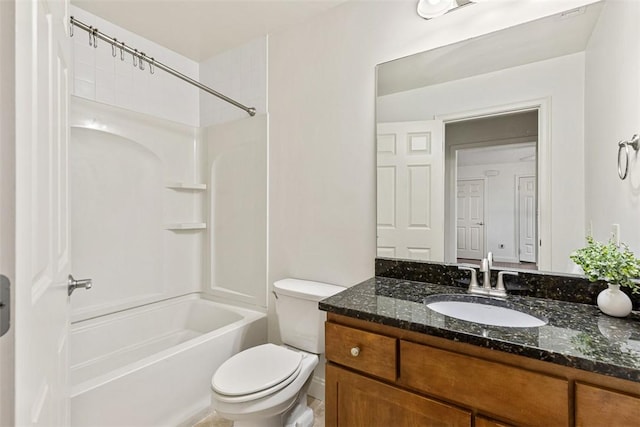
(402, 378)
(481, 421)
(596, 406)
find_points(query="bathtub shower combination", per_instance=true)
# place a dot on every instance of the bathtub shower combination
(147, 338)
(153, 365)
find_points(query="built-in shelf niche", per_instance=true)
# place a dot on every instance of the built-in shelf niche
(186, 186)
(179, 226)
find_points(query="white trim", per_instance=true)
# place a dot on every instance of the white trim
(543, 105)
(316, 388)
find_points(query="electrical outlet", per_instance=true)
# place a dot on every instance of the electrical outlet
(615, 234)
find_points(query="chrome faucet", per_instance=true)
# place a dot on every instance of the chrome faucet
(486, 289)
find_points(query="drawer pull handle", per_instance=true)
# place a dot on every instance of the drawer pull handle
(355, 351)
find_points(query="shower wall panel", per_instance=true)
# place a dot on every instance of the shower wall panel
(137, 227)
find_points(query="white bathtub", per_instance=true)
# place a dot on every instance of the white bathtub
(152, 365)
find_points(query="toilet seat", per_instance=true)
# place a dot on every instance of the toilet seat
(256, 372)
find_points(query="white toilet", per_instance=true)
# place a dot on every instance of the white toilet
(267, 385)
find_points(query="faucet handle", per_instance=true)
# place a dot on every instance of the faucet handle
(500, 285)
(490, 260)
(473, 282)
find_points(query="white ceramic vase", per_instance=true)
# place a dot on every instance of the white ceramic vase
(614, 302)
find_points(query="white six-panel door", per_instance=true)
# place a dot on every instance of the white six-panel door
(410, 190)
(42, 218)
(527, 218)
(470, 224)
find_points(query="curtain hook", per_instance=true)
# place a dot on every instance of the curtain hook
(135, 58)
(122, 51)
(90, 34)
(142, 57)
(71, 27)
(113, 47)
(95, 40)
(151, 65)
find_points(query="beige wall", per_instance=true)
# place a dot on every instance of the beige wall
(7, 196)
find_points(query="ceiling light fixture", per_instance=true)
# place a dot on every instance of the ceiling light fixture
(429, 9)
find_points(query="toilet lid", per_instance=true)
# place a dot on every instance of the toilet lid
(256, 369)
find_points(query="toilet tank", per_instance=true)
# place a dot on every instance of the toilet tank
(301, 323)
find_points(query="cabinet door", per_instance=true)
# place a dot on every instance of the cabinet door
(488, 422)
(596, 406)
(353, 400)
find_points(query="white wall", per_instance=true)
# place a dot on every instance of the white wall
(241, 74)
(561, 80)
(7, 198)
(613, 114)
(322, 121)
(100, 77)
(500, 204)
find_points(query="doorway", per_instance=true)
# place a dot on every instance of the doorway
(492, 198)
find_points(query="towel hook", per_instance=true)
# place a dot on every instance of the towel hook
(623, 147)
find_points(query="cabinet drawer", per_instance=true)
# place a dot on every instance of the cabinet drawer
(524, 397)
(364, 351)
(596, 406)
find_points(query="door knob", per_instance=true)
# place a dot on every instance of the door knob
(80, 283)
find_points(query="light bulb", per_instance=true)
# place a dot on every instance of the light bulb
(432, 8)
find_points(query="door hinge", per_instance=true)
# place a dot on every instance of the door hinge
(5, 304)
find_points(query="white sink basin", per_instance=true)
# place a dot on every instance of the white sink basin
(485, 313)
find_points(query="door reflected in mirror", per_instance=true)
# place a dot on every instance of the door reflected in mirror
(484, 145)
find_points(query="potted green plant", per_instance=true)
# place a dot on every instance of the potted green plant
(614, 264)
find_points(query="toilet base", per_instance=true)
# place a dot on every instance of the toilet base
(300, 415)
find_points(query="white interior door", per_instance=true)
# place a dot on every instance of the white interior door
(410, 206)
(42, 220)
(527, 218)
(470, 219)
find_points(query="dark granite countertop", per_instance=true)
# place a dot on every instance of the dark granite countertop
(576, 335)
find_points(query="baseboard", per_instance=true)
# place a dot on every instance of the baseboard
(316, 389)
(506, 259)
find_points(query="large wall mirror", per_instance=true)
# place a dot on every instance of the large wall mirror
(483, 145)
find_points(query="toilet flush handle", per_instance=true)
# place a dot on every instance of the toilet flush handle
(355, 351)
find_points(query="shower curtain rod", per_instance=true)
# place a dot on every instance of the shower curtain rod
(139, 58)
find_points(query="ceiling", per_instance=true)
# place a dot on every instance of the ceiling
(200, 29)
(545, 38)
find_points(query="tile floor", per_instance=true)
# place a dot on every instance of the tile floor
(213, 420)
